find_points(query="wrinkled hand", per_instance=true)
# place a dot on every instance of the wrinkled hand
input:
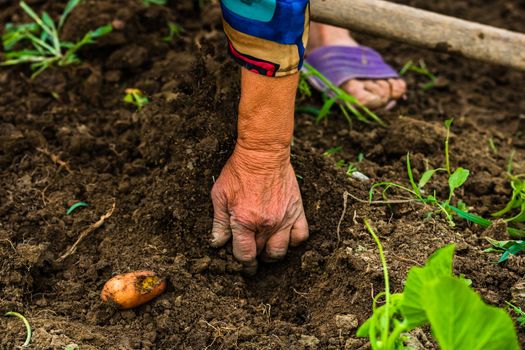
(256, 200)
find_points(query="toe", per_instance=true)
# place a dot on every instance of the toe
(357, 89)
(399, 88)
(379, 89)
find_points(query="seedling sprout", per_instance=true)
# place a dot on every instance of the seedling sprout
(421, 69)
(26, 324)
(175, 30)
(136, 98)
(348, 104)
(43, 35)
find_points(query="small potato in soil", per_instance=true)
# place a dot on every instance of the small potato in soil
(133, 289)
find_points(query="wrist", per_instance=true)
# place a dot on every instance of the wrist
(260, 160)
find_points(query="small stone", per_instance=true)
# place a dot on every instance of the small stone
(360, 176)
(346, 322)
(309, 341)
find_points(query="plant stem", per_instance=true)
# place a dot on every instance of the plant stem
(384, 334)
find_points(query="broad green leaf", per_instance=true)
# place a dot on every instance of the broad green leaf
(448, 123)
(364, 329)
(458, 178)
(438, 265)
(460, 320)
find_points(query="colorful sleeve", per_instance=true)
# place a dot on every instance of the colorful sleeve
(267, 36)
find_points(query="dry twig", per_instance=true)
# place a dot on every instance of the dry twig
(55, 159)
(345, 202)
(86, 233)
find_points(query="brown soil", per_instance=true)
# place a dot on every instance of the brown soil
(158, 166)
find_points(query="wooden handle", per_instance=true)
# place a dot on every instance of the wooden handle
(424, 29)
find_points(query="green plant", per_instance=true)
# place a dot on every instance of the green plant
(46, 48)
(421, 69)
(26, 324)
(331, 151)
(506, 248)
(516, 202)
(136, 98)
(456, 180)
(175, 30)
(521, 315)
(154, 2)
(348, 104)
(458, 317)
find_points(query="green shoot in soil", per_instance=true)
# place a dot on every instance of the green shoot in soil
(421, 69)
(154, 2)
(331, 151)
(75, 206)
(505, 247)
(492, 146)
(136, 98)
(521, 315)
(45, 47)
(433, 295)
(26, 323)
(348, 104)
(304, 87)
(175, 30)
(456, 180)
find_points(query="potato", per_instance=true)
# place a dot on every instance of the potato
(132, 289)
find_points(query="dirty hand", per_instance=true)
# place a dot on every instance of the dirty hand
(256, 200)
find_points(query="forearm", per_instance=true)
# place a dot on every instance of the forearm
(266, 111)
(266, 117)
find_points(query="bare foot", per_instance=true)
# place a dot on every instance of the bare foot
(373, 93)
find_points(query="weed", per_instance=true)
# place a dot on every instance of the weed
(43, 35)
(75, 206)
(331, 151)
(348, 104)
(175, 30)
(505, 247)
(433, 295)
(492, 146)
(519, 313)
(136, 98)
(421, 69)
(26, 324)
(304, 87)
(456, 180)
(154, 2)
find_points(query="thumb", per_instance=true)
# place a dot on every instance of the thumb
(221, 231)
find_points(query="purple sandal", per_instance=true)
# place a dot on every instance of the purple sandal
(341, 63)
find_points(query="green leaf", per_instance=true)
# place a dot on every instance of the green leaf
(471, 217)
(425, 178)
(101, 31)
(69, 7)
(325, 109)
(411, 176)
(458, 178)
(438, 265)
(459, 319)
